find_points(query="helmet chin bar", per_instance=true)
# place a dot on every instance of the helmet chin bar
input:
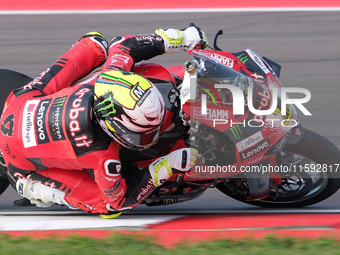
(117, 138)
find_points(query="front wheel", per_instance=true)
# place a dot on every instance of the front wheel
(315, 161)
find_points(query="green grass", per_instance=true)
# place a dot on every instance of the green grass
(121, 244)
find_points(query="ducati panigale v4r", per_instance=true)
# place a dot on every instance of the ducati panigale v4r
(265, 160)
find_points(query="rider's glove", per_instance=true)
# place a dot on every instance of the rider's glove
(200, 38)
(185, 39)
(181, 160)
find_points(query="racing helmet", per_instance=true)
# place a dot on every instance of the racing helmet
(129, 108)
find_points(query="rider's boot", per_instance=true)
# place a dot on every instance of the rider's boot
(41, 195)
(20, 202)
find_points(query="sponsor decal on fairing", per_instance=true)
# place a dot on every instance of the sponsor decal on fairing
(212, 114)
(223, 59)
(257, 59)
(249, 141)
(251, 152)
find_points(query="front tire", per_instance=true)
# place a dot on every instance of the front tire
(306, 187)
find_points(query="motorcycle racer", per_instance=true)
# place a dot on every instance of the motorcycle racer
(49, 128)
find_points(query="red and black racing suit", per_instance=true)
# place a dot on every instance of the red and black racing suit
(47, 128)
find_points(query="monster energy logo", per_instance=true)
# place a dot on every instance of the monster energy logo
(59, 101)
(106, 107)
(236, 131)
(243, 58)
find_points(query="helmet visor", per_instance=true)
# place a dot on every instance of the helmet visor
(142, 140)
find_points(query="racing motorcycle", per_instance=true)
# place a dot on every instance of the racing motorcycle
(265, 160)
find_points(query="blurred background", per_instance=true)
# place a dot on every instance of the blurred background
(306, 44)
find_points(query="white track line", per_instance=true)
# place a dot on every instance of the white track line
(177, 213)
(193, 10)
(27, 223)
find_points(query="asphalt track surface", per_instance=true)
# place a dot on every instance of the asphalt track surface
(306, 44)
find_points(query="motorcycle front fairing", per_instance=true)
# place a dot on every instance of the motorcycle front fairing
(251, 135)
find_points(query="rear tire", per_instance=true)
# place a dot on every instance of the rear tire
(316, 148)
(4, 183)
(9, 80)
